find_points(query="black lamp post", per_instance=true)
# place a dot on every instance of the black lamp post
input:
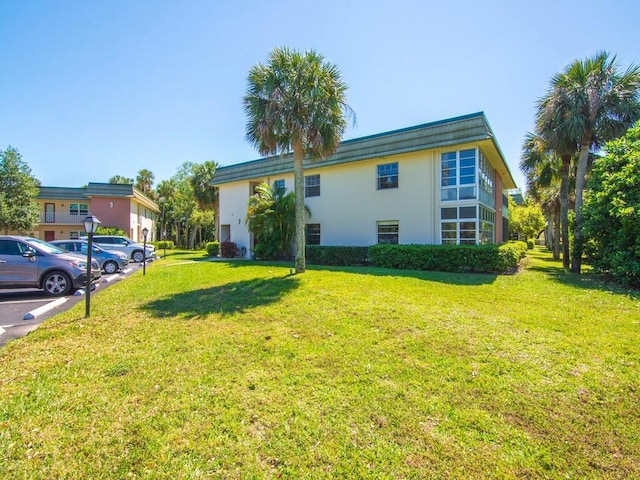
(90, 226)
(145, 232)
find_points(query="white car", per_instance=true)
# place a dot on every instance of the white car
(134, 250)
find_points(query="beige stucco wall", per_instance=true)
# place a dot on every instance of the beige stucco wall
(349, 205)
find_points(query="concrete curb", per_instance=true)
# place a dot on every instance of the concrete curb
(43, 309)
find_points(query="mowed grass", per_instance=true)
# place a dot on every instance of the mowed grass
(240, 370)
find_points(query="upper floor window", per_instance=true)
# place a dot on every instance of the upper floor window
(388, 232)
(458, 175)
(312, 235)
(79, 209)
(388, 175)
(312, 186)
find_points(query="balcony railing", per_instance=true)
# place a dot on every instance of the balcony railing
(61, 218)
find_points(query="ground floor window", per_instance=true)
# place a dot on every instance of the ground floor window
(312, 234)
(466, 225)
(388, 232)
(74, 235)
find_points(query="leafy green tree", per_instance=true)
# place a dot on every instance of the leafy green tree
(594, 102)
(526, 220)
(612, 209)
(119, 179)
(296, 102)
(272, 220)
(19, 209)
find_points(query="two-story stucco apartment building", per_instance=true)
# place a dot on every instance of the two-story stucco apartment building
(62, 210)
(441, 182)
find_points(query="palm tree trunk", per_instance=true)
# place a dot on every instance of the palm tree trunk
(581, 176)
(556, 235)
(564, 209)
(298, 174)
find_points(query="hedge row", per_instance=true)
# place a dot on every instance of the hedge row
(340, 256)
(445, 258)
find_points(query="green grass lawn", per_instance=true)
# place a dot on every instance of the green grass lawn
(239, 370)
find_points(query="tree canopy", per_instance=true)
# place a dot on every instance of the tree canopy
(19, 189)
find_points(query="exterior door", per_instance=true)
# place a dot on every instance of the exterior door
(49, 213)
(49, 235)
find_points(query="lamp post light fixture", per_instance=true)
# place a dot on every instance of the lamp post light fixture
(145, 232)
(90, 223)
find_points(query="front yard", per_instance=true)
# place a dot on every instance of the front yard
(240, 370)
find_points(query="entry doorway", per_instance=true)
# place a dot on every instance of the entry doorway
(49, 235)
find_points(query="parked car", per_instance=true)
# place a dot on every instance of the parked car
(109, 260)
(27, 262)
(123, 244)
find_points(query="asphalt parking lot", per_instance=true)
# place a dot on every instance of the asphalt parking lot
(22, 310)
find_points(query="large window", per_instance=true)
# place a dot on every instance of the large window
(486, 179)
(459, 225)
(312, 186)
(79, 209)
(388, 232)
(388, 176)
(458, 175)
(487, 222)
(312, 234)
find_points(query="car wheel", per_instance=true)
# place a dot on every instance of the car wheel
(137, 256)
(56, 284)
(110, 266)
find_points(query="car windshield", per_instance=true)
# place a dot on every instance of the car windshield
(45, 247)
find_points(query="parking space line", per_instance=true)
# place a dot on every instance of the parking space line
(37, 300)
(43, 309)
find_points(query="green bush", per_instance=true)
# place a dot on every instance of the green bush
(449, 258)
(228, 249)
(110, 231)
(164, 244)
(530, 244)
(341, 256)
(213, 248)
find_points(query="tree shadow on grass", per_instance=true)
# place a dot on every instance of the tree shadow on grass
(224, 299)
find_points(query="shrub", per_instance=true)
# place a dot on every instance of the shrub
(341, 256)
(213, 248)
(228, 249)
(449, 258)
(530, 244)
(164, 244)
(110, 231)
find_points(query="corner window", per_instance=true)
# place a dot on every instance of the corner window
(388, 176)
(388, 232)
(458, 180)
(312, 186)
(312, 234)
(459, 225)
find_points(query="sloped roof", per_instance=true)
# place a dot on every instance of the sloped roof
(62, 193)
(454, 131)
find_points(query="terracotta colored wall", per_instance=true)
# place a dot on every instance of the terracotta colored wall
(112, 212)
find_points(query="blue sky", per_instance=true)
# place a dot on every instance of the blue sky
(92, 89)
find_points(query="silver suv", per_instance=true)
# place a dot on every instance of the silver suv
(126, 245)
(27, 262)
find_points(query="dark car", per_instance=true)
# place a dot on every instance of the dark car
(27, 262)
(110, 260)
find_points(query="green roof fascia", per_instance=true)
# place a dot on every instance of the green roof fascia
(62, 193)
(464, 129)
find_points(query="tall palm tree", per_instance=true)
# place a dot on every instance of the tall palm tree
(597, 103)
(543, 172)
(296, 102)
(144, 181)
